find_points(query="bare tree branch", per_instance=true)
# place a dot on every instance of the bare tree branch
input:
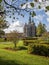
(19, 8)
(16, 8)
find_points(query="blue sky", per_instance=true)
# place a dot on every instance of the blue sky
(41, 15)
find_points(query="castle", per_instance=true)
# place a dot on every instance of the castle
(30, 29)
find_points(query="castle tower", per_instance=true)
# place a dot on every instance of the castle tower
(29, 29)
(30, 19)
(25, 30)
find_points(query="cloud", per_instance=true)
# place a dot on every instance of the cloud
(14, 26)
(47, 19)
(47, 27)
(47, 13)
(40, 0)
(27, 4)
(39, 17)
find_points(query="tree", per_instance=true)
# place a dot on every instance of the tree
(17, 6)
(21, 7)
(41, 29)
(44, 28)
(14, 37)
(3, 23)
(2, 33)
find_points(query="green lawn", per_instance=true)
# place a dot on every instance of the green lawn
(19, 57)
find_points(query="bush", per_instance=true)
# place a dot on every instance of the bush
(30, 48)
(27, 42)
(39, 49)
(43, 40)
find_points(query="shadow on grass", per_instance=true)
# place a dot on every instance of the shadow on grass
(16, 49)
(22, 48)
(10, 62)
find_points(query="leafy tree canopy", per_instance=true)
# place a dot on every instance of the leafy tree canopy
(41, 29)
(22, 6)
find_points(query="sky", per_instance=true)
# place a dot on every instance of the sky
(41, 15)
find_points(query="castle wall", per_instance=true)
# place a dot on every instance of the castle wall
(29, 30)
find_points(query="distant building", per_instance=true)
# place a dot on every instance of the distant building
(30, 29)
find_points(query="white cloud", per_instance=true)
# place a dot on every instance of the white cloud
(27, 4)
(47, 13)
(39, 17)
(47, 19)
(37, 22)
(47, 27)
(14, 26)
(40, 0)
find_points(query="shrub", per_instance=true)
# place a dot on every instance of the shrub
(43, 40)
(39, 49)
(30, 48)
(27, 42)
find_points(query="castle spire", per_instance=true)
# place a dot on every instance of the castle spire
(30, 19)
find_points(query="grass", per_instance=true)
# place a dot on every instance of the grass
(19, 57)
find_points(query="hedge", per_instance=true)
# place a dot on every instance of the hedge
(27, 42)
(39, 49)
